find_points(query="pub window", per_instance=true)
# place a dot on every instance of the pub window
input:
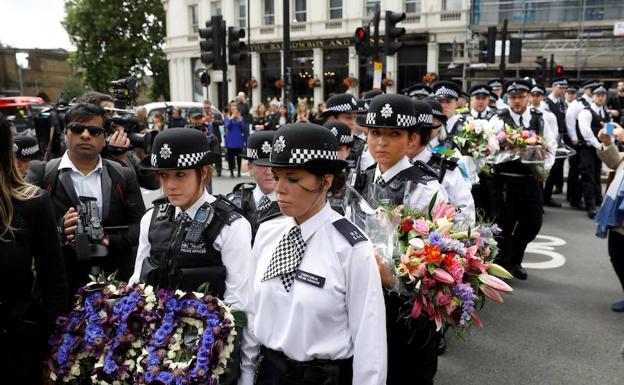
(215, 8)
(451, 5)
(193, 18)
(370, 7)
(335, 9)
(269, 12)
(300, 10)
(412, 6)
(242, 13)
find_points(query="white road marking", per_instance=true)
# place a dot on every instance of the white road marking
(546, 247)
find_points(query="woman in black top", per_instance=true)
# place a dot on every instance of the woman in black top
(261, 120)
(27, 231)
(281, 118)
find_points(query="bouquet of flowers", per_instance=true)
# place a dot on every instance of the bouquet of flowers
(128, 334)
(476, 142)
(527, 145)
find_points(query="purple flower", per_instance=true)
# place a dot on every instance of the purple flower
(435, 238)
(466, 294)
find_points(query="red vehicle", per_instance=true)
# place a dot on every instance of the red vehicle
(22, 110)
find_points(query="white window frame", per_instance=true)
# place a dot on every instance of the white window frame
(265, 15)
(446, 8)
(416, 2)
(193, 15)
(330, 9)
(368, 3)
(293, 8)
(242, 20)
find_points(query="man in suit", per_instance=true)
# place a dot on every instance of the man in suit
(82, 172)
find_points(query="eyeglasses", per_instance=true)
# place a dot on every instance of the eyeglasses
(77, 128)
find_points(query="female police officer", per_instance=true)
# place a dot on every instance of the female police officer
(190, 237)
(316, 311)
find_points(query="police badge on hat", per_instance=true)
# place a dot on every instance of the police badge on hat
(341, 131)
(178, 149)
(259, 145)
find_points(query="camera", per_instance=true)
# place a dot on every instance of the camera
(124, 91)
(89, 231)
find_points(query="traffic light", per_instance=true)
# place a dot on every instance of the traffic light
(362, 41)
(393, 32)
(490, 55)
(541, 69)
(211, 47)
(559, 70)
(237, 50)
(515, 50)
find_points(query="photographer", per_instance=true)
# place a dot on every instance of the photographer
(81, 171)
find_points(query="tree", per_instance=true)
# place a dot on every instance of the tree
(114, 38)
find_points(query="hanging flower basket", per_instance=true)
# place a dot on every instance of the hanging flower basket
(279, 83)
(313, 83)
(387, 82)
(253, 83)
(349, 82)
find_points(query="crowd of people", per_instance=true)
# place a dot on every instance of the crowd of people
(282, 250)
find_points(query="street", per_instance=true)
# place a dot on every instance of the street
(557, 327)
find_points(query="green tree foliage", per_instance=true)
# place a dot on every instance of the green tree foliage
(114, 38)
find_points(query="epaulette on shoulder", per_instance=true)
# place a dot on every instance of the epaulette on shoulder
(229, 208)
(160, 201)
(535, 111)
(430, 172)
(350, 231)
(244, 186)
(503, 112)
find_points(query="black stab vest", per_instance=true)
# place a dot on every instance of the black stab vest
(175, 263)
(459, 124)
(242, 197)
(595, 122)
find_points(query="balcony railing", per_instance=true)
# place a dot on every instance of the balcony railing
(333, 24)
(412, 18)
(450, 16)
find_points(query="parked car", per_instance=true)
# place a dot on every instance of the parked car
(22, 110)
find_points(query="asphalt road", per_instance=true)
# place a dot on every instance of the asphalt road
(556, 327)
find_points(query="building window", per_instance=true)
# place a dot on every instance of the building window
(215, 8)
(335, 9)
(269, 12)
(335, 71)
(194, 18)
(270, 72)
(451, 5)
(300, 10)
(412, 6)
(370, 7)
(242, 13)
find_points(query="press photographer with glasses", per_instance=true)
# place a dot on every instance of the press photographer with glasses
(82, 172)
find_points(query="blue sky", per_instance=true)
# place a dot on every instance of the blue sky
(33, 24)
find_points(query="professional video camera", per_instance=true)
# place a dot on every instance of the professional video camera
(89, 231)
(50, 126)
(123, 118)
(124, 91)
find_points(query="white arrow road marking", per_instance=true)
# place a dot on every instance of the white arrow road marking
(545, 247)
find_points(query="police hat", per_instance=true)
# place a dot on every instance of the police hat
(572, 89)
(517, 86)
(304, 145)
(392, 111)
(600, 89)
(25, 147)
(417, 90)
(340, 103)
(480, 89)
(259, 145)
(495, 83)
(368, 95)
(341, 131)
(537, 89)
(561, 82)
(493, 97)
(445, 89)
(436, 110)
(179, 149)
(590, 83)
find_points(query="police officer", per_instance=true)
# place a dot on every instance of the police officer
(497, 89)
(316, 299)
(438, 134)
(344, 108)
(345, 143)
(557, 106)
(479, 102)
(574, 190)
(257, 200)
(522, 207)
(418, 91)
(191, 238)
(590, 121)
(26, 149)
(447, 93)
(393, 122)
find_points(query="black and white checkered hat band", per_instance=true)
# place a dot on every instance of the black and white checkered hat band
(154, 160)
(370, 117)
(406, 120)
(341, 108)
(537, 90)
(345, 139)
(444, 92)
(561, 83)
(26, 151)
(436, 112)
(480, 91)
(517, 87)
(252, 153)
(424, 118)
(188, 160)
(600, 89)
(302, 155)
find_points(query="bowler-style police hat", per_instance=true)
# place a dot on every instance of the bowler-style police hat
(495, 83)
(436, 110)
(259, 146)
(25, 147)
(304, 145)
(368, 95)
(341, 131)
(179, 149)
(417, 90)
(445, 89)
(340, 103)
(394, 111)
(480, 89)
(517, 86)
(561, 82)
(537, 89)
(571, 89)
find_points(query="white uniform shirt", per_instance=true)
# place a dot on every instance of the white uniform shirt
(584, 122)
(500, 104)
(258, 194)
(459, 189)
(549, 117)
(451, 122)
(475, 113)
(344, 318)
(572, 113)
(422, 194)
(234, 243)
(89, 185)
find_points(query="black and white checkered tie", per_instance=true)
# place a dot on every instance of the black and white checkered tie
(183, 217)
(379, 181)
(286, 258)
(264, 203)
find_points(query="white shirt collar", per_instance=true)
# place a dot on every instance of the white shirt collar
(309, 227)
(258, 194)
(66, 162)
(451, 122)
(526, 116)
(588, 98)
(553, 98)
(423, 156)
(191, 211)
(595, 107)
(394, 170)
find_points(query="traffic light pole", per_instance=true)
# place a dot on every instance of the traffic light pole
(286, 72)
(503, 49)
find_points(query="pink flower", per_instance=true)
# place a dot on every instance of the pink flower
(457, 272)
(442, 210)
(501, 136)
(443, 299)
(417, 309)
(526, 133)
(442, 276)
(421, 228)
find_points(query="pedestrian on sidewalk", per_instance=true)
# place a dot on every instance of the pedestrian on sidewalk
(235, 127)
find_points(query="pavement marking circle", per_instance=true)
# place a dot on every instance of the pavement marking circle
(545, 247)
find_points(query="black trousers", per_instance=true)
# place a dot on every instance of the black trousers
(483, 195)
(616, 253)
(555, 179)
(215, 147)
(273, 370)
(589, 168)
(520, 218)
(573, 192)
(232, 153)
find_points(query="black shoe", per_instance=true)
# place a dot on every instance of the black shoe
(591, 214)
(232, 176)
(519, 272)
(551, 203)
(441, 349)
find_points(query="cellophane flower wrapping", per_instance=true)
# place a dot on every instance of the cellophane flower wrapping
(120, 334)
(476, 142)
(526, 145)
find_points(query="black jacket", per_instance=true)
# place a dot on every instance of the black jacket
(122, 205)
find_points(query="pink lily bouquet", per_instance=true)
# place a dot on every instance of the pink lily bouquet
(524, 144)
(447, 273)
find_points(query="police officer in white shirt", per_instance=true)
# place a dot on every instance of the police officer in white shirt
(316, 310)
(479, 102)
(497, 89)
(447, 94)
(590, 120)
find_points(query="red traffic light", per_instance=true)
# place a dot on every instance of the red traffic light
(559, 70)
(361, 33)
